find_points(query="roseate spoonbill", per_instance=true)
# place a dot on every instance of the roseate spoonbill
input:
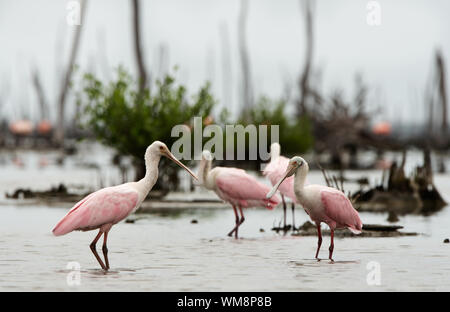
(322, 203)
(275, 170)
(106, 207)
(236, 187)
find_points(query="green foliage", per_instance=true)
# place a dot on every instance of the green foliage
(295, 133)
(129, 121)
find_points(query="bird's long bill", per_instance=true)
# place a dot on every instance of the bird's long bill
(289, 171)
(170, 156)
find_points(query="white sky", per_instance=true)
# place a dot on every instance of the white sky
(395, 58)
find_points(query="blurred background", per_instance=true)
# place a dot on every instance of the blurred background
(358, 88)
(347, 82)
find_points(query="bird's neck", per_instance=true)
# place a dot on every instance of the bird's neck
(203, 172)
(299, 180)
(151, 173)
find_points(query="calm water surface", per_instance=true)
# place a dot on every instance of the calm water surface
(164, 251)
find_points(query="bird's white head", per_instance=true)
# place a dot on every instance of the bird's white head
(297, 162)
(295, 165)
(158, 149)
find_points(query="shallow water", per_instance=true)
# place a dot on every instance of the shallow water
(164, 251)
(161, 252)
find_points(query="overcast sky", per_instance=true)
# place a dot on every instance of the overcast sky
(395, 58)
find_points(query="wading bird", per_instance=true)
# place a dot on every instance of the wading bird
(322, 203)
(275, 170)
(236, 187)
(106, 207)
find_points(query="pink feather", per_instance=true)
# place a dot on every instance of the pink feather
(240, 188)
(339, 209)
(106, 206)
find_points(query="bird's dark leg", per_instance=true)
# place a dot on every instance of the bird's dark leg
(284, 212)
(94, 251)
(331, 245)
(237, 222)
(319, 241)
(240, 222)
(105, 250)
(293, 216)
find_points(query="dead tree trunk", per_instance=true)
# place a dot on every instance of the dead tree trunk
(138, 46)
(226, 65)
(163, 61)
(305, 76)
(442, 90)
(41, 95)
(247, 89)
(59, 133)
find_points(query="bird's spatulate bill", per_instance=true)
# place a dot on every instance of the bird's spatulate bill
(275, 187)
(289, 171)
(179, 163)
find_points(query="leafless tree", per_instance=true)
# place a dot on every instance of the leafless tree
(437, 101)
(43, 105)
(59, 133)
(226, 64)
(163, 60)
(307, 7)
(138, 46)
(442, 82)
(101, 46)
(247, 89)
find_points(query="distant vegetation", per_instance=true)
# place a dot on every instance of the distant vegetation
(128, 120)
(295, 132)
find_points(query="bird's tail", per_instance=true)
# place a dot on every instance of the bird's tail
(70, 220)
(64, 226)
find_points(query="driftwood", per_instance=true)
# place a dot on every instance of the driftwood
(369, 230)
(402, 195)
(59, 192)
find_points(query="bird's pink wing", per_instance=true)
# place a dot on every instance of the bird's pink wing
(106, 206)
(339, 208)
(240, 186)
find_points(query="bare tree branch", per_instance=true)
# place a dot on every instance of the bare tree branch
(138, 47)
(247, 92)
(40, 94)
(59, 133)
(307, 10)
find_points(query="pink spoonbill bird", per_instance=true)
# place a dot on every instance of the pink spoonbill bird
(236, 187)
(322, 203)
(108, 206)
(274, 171)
